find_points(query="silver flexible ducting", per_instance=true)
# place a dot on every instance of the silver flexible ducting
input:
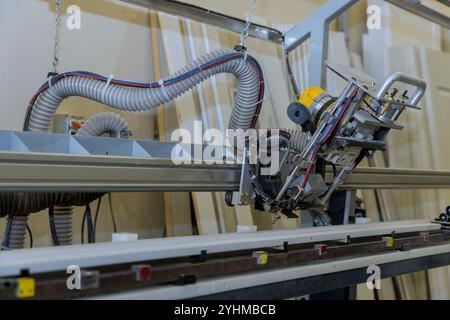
(63, 220)
(139, 99)
(19, 205)
(14, 236)
(104, 123)
(97, 125)
(22, 204)
(298, 140)
(40, 113)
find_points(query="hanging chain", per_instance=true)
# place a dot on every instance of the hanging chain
(248, 22)
(57, 26)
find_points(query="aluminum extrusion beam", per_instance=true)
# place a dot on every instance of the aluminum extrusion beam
(387, 178)
(211, 17)
(51, 259)
(59, 162)
(32, 161)
(60, 173)
(25, 172)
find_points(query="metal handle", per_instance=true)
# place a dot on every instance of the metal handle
(407, 79)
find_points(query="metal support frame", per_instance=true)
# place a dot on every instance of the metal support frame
(316, 28)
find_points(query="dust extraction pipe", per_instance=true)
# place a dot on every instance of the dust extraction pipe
(133, 96)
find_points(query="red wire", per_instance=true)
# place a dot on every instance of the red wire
(340, 117)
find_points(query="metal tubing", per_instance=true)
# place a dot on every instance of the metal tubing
(421, 86)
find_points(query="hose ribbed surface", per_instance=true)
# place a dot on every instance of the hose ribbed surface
(16, 228)
(133, 99)
(102, 123)
(96, 125)
(22, 204)
(63, 224)
(140, 99)
(298, 140)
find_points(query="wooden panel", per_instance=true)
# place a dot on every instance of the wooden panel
(187, 111)
(177, 205)
(435, 66)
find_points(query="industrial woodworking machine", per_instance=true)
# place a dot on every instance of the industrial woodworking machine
(280, 171)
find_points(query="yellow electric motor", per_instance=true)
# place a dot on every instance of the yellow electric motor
(317, 101)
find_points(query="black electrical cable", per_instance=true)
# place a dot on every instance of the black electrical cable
(112, 213)
(91, 235)
(333, 166)
(51, 217)
(7, 232)
(96, 214)
(82, 226)
(30, 234)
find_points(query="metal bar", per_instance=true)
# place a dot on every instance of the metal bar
(52, 162)
(26, 172)
(60, 162)
(396, 262)
(53, 172)
(386, 178)
(421, 9)
(51, 259)
(211, 17)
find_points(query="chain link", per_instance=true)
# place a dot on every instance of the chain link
(56, 39)
(248, 22)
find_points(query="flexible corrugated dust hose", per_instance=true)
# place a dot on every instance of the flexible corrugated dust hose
(19, 205)
(298, 139)
(14, 237)
(97, 125)
(130, 96)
